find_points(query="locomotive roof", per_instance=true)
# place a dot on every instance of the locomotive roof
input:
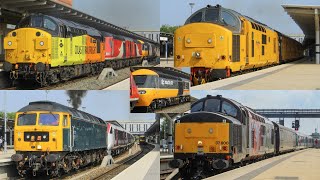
(204, 116)
(91, 31)
(53, 106)
(230, 11)
(166, 72)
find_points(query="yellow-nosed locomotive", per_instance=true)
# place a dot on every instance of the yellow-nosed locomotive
(217, 42)
(220, 133)
(160, 87)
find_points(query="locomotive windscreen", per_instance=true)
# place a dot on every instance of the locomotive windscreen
(143, 81)
(215, 105)
(27, 119)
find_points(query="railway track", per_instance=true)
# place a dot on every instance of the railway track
(124, 164)
(81, 83)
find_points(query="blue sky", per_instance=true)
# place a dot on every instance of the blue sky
(274, 99)
(133, 14)
(108, 105)
(269, 12)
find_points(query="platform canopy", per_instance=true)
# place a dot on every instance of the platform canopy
(304, 16)
(59, 10)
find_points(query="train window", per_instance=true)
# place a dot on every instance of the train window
(212, 15)
(196, 18)
(262, 50)
(229, 19)
(264, 39)
(197, 107)
(49, 24)
(65, 120)
(229, 109)
(272, 136)
(49, 119)
(146, 81)
(25, 22)
(27, 119)
(212, 105)
(110, 130)
(36, 21)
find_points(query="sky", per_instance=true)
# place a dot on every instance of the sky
(257, 99)
(269, 12)
(136, 15)
(108, 105)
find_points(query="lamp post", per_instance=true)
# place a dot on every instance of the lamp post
(5, 123)
(191, 6)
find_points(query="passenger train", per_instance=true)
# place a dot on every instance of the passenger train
(53, 138)
(217, 42)
(49, 50)
(220, 133)
(160, 87)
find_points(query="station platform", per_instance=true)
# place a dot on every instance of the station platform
(303, 164)
(164, 62)
(122, 85)
(145, 168)
(303, 74)
(6, 157)
(7, 167)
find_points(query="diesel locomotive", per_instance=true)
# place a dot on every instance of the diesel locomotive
(160, 87)
(55, 139)
(49, 50)
(217, 42)
(220, 132)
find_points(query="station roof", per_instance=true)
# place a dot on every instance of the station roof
(59, 10)
(154, 128)
(303, 15)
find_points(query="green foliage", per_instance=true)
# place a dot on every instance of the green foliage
(10, 115)
(168, 29)
(164, 128)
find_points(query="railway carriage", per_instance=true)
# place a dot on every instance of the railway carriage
(56, 139)
(220, 132)
(216, 42)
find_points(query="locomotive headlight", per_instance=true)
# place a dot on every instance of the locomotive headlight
(19, 134)
(188, 41)
(9, 43)
(41, 43)
(199, 143)
(28, 136)
(54, 134)
(44, 136)
(209, 40)
(142, 92)
(197, 55)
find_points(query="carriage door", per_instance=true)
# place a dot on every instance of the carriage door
(66, 131)
(124, 49)
(180, 87)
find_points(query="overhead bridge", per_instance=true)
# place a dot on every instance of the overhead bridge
(289, 113)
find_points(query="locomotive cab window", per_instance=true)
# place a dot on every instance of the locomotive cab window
(49, 24)
(229, 109)
(229, 19)
(212, 15)
(196, 18)
(49, 119)
(146, 81)
(212, 105)
(197, 107)
(27, 119)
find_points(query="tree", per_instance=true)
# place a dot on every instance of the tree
(164, 128)
(10, 115)
(168, 29)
